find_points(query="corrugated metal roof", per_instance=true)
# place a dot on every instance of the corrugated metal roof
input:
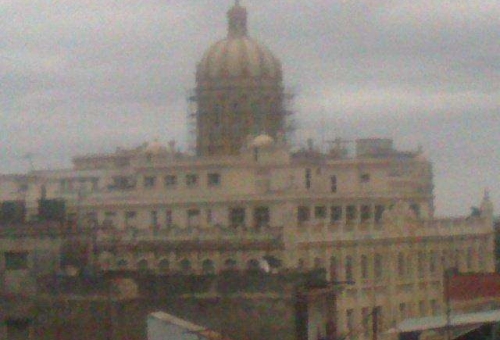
(188, 326)
(436, 322)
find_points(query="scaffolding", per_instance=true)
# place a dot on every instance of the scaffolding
(287, 110)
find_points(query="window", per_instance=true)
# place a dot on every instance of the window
(303, 214)
(335, 214)
(185, 266)
(349, 269)
(169, 218)
(366, 213)
(432, 262)
(378, 266)
(420, 263)
(170, 181)
(149, 181)
(421, 308)
(230, 264)
(434, 307)
(213, 179)
(209, 216)
(261, 217)
(401, 265)
(402, 310)
(191, 180)
(351, 213)
(379, 211)
(208, 267)
(143, 265)
(308, 178)
(364, 178)
(17, 329)
(320, 212)
(16, 260)
(154, 218)
(94, 184)
(378, 316)
(469, 258)
(164, 266)
(333, 268)
(365, 314)
(129, 216)
(193, 217)
(349, 316)
(416, 209)
(364, 267)
(237, 217)
(333, 183)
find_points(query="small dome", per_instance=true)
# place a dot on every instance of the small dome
(262, 141)
(155, 147)
(238, 55)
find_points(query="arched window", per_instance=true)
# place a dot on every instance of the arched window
(253, 264)
(164, 266)
(349, 269)
(143, 265)
(378, 266)
(230, 264)
(185, 266)
(208, 267)
(122, 263)
(364, 267)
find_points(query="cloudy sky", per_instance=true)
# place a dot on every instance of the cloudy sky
(86, 76)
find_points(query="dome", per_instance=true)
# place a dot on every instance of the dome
(238, 55)
(262, 141)
(155, 147)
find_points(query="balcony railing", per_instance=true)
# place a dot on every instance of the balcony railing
(200, 233)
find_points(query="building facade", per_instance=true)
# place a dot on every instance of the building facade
(247, 201)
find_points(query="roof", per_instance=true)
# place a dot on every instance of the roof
(437, 322)
(188, 326)
(465, 287)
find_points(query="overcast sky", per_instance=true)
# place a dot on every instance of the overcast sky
(87, 76)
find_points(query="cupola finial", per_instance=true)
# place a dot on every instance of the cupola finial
(237, 20)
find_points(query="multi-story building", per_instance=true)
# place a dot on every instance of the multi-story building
(362, 212)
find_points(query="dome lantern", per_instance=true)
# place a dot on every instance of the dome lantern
(237, 21)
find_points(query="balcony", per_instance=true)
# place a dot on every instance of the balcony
(205, 233)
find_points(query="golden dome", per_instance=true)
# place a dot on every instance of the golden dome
(238, 55)
(262, 141)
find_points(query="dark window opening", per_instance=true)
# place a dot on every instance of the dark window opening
(308, 178)
(261, 217)
(351, 213)
(379, 211)
(16, 260)
(237, 217)
(213, 179)
(335, 214)
(303, 214)
(333, 183)
(364, 178)
(170, 181)
(320, 212)
(191, 180)
(366, 213)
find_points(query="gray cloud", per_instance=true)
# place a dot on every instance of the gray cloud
(90, 75)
